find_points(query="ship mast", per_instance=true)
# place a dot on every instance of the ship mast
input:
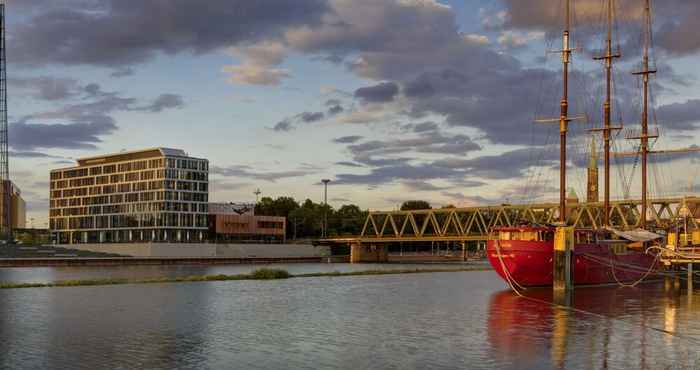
(644, 137)
(606, 130)
(564, 117)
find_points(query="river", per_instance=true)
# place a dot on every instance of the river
(445, 320)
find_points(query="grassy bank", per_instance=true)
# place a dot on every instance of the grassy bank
(259, 274)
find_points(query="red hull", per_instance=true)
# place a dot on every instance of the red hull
(529, 263)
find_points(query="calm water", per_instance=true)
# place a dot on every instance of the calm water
(417, 321)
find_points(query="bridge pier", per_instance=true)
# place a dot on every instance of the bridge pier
(361, 253)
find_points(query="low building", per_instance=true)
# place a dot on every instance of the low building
(152, 195)
(17, 209)
(237, 222)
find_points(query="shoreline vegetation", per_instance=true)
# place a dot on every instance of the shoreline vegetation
(259, 274)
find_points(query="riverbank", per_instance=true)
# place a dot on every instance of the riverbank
(259, 274)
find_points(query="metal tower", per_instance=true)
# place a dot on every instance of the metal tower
(5, 184)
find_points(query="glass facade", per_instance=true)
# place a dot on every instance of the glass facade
(155, 195)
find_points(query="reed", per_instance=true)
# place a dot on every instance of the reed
(259, 274)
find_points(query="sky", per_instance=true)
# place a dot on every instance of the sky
(390, 99)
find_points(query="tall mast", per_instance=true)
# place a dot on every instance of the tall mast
(607, 107)
(564, 117)
(644, 137)
(6, 185)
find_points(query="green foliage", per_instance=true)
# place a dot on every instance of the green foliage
(269, 274)
(414, 205)
(305, 220)
(259, 274)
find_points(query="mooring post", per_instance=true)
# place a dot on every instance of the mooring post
(464, 251)
(690, 278)
(563, 249)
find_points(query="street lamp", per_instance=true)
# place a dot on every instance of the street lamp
(257, 193)
(324, 229)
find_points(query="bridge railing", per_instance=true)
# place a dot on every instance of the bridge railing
(475, 223)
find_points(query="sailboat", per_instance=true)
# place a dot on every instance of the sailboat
(524, 255)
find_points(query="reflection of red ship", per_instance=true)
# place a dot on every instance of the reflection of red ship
(527, 255)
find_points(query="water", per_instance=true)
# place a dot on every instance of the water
(449, 320)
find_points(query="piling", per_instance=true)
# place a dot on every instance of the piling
(563, 249)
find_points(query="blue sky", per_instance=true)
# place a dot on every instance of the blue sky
(392, 99)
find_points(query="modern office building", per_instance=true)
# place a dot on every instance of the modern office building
(152, 195)
(237, 222)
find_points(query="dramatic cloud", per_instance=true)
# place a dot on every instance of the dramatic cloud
(81, 125)
(118, 33)
(70, 136)
(680, 116)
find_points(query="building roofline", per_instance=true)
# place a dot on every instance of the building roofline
(105, 158)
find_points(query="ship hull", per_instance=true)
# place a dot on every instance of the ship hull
(529, 263)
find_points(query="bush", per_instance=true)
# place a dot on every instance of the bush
(269, 274)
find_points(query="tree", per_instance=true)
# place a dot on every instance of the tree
(348, 220)
(414, 205)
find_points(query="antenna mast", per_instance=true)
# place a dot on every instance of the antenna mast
(607, 107)
(6, 187)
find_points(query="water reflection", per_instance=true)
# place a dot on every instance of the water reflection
(436, 321)
(604, 327)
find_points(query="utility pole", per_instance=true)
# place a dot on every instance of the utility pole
(324, 229)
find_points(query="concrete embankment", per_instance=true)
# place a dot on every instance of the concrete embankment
(205, 250)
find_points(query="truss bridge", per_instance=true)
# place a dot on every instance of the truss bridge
(475, 223)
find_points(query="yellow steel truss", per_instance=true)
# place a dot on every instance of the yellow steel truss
(475, 223)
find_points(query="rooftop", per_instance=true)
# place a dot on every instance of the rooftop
(130, 156)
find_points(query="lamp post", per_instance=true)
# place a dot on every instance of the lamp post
(324, 229)
(257, 193)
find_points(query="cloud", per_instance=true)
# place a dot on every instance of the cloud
(382, 93)
(26, 154)
(69, 136)
(122, 72)
(336, 109)
(347, 139)
(289, 124)
(118, 33)
(80, 125)
(680, 116)
(349, 164)
(421, 186)
(310, 117)
(256, 75)
(163, 102)
(247, 172)
(47, 88)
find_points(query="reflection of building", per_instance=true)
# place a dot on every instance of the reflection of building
(152, 195)
(238, 222)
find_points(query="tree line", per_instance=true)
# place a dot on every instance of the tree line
(305, 219)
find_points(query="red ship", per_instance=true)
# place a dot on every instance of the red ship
(524, 255)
